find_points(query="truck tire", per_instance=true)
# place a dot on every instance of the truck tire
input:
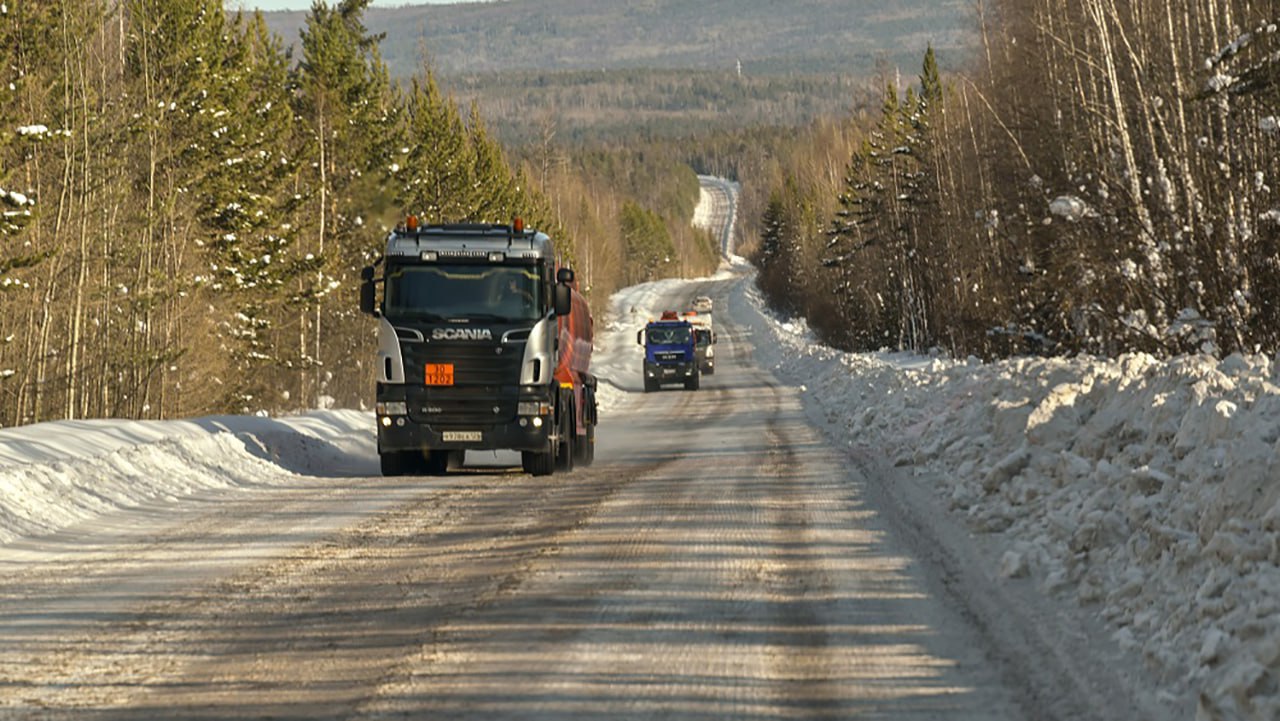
(395, 463)
(586, 447)
(650, 385)
(537, 463)
(438, 463)
(567, 453)
(692, 383)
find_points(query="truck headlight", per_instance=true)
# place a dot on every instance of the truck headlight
(392, 408)
(533, 408)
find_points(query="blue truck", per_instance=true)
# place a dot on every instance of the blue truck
(670, 353)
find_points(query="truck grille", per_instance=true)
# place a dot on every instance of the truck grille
(485, 390)
(472, 406)
(474, 364)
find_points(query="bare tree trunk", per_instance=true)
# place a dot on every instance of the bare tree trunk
(79, 75)
(324, 206)
(1133, 173)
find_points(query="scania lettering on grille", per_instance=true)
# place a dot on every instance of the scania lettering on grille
(461, 334)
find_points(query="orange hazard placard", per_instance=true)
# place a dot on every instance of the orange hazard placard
(439, 374)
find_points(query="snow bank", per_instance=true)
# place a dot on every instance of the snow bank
(1147, 489)
(55, 474)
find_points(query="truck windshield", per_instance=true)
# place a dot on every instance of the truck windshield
(669, 335)
(703, 336)
(436, 292)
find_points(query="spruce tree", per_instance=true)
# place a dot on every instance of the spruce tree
(769, 255)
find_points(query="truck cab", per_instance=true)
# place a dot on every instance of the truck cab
(483, 344)
(670, 353)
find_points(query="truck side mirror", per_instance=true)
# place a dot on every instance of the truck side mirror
(565, 276)
(368, 293)
(562, 299)
(639, 337)
(368, 298)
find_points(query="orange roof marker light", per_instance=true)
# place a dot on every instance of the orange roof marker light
(518, 225)
(411, 223)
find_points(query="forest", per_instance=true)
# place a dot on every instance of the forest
(187, 205)
(1102, 180)
(187, 196)
(800, 37)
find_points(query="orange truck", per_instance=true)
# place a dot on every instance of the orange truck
(484, 343)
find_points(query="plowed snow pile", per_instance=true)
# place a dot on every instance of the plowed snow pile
(1145, 488)
(55, 474)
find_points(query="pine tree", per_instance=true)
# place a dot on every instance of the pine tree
(439, 182)
(21, 36)
(177, 74)
(248, 207)
(498, 198)
(347, 105)
(648, 243)
(24, 60)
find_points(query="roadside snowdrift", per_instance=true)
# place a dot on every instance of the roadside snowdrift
(1148, 489)
(55, 474)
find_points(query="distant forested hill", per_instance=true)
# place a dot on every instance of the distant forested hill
(590, 70)
(765, 35)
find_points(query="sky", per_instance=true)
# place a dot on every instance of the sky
(268, 5)
(1141, 489)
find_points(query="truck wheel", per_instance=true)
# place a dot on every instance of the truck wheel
(586, 447)
(567, 452)
(438, 463)
(537, 464)
(692, 383)
(394, 463)
(650, 386)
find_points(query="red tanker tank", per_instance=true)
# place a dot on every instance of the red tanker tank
(576, 337)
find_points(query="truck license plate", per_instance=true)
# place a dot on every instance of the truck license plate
(439, 374)
(454, 436)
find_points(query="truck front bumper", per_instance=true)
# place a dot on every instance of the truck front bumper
(521, 420)
(670, 372)
(399, 433)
